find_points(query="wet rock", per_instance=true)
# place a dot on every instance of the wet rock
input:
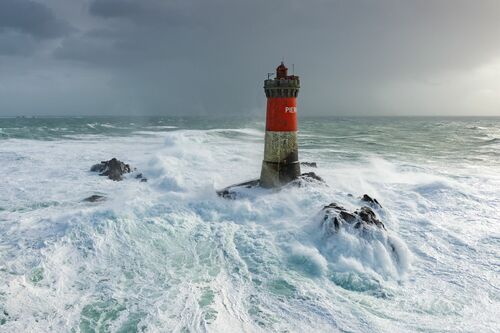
(372, 201)
(230, 192)
(336, 217)
(227, 194)
(113, 169)
(141, 177)
(367, 215)
(4, 317)
(311, 176)
(309, 164)
(98, 167)
(95, 198)
(307, 178)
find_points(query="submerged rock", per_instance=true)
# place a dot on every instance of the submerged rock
(113, 169)
(311, 176)
(230, 192)
(372, 201)
(141, 177)
(95, 198)
(307, 178)
(336, 217)
(309, 164)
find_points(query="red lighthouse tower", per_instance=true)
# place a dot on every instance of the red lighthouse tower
(281, 158)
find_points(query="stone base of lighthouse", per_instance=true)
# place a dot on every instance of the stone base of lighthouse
(281, 159)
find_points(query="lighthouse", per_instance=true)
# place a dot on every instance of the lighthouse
(281, 158)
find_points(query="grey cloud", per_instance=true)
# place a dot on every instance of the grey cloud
(142, 12)
(125, 8)
(362, 37)
(158, 54)
(31, 18)
(15, 44)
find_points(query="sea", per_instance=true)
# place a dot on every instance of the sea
(170, 255)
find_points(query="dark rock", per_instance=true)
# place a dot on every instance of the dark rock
(141, 177)
(307, 178)
(372, 201)
(113, 169)
(347, 216)
(335, 206)
(311, 176)
(309, 164)
(368, 216)
(98, 167)
(226, 194)
(336, 216)
(230, 191)
(95, 198)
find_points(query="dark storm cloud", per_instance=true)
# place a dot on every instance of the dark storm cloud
(194, 56)
(142, 12)
(31, 18)
(16, 44)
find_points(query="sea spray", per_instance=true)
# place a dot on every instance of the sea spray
(171, 255)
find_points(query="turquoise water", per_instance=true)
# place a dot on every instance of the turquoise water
(169, 255)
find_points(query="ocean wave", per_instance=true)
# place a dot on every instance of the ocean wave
(492, 141)
(171, 255)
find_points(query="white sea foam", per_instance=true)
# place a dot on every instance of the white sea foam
(169, 255)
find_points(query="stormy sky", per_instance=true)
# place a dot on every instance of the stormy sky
(201, 57)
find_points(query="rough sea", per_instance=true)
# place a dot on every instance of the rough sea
(169, 255)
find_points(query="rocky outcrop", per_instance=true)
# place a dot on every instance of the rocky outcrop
(141, 177)
(311, 176)
(336, 217)
(309, 164)
(113, 169)
(358, 243)
(306, 179)
(95, 198)
(231, 192)
(371, 201)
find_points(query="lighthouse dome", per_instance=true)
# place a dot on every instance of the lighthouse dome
(281, 71)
